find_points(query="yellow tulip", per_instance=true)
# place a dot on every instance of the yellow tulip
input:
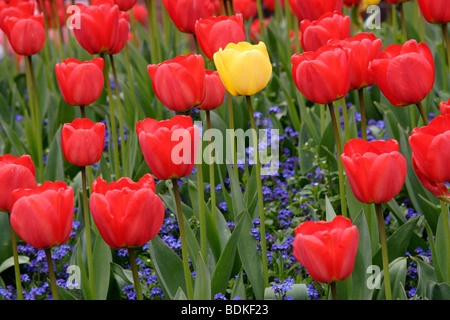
(244, 69)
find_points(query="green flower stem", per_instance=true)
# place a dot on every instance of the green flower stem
(344, 115)
(37, 122)
(333, 288)
(133, 28)
(444, 213)
(120, 113)
(403, 20)
(112, 119)
(134, 270)
(262, 226)
(16, 262)
(87, 224)
(231, 127)
(51, 271)
(129, 73)
(394, 21)
(384, 252)
(211, 168)
(261, 20)
(362, 110)
(422, 113)
(337, 138)
(201, 207)
(59, 31)
(180, 218)
(228, 7)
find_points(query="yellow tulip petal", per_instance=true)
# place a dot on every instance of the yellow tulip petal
(223, 59)
(250, 72)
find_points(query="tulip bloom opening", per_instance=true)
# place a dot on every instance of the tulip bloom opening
(128, 214)
(245, 69)
(327, 250)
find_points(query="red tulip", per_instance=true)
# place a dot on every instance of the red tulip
(81, 83)
(430, 156)
(43, 216)
(15, 173)
(314, 9)
(376, 171)
(26, 34)
(127, 214)
(184, 13)
(214, 91)
(125, 5)
(103, 29)
(331, 25)
(82, 141)
(430, 147)
(437, 189)
(15, 8)
(435, 11)
(179, 83)
(404, 73)
(364, 48)
(327, 250)
(216, 32)
(167, 156)
(444, 107)
(248, 8)
(323, 76)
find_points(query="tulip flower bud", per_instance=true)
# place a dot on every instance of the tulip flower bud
(245, 69)
(127, 213)
(43, 216)
(327, 250)
(376, 171)
(179, 83)
(26, 35)
(330, 26)
(82, 141)
(404, 73)
(169, 146)
(81, 83)
(216, 32)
